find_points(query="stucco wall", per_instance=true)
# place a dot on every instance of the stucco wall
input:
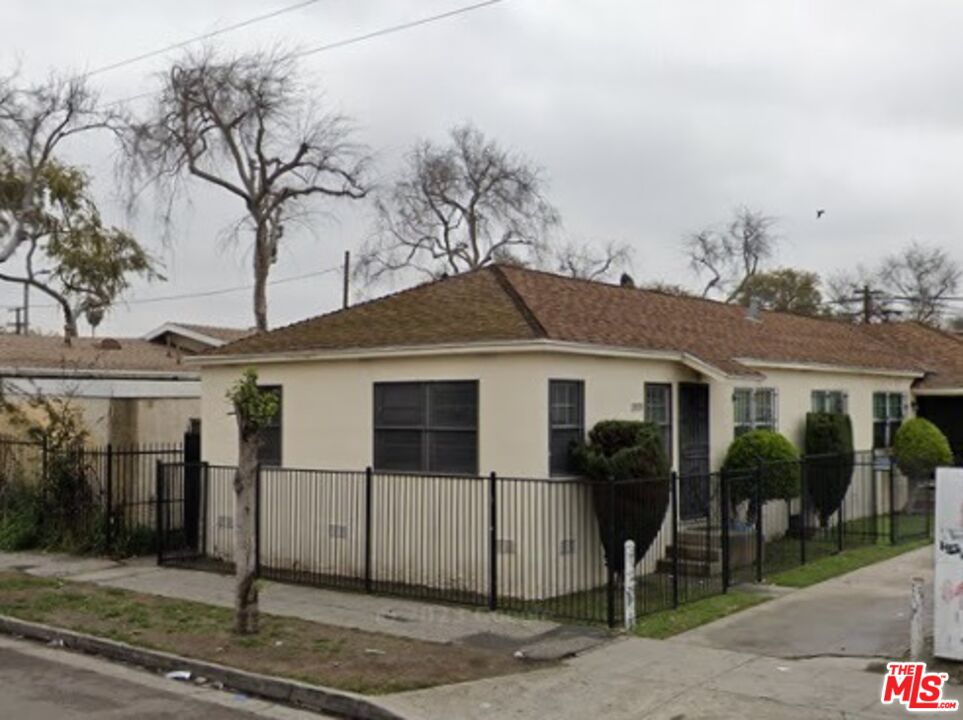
(327, 408)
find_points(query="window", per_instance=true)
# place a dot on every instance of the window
(830, 401)
(754, 409)
(426, 427)
(269, 450)
(887, 417)
(566, 423)
(658, 410)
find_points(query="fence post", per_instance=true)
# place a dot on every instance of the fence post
(803, 510)
(109, 519)
(613, 554)
(726, 520)
(492, 541)
(628, 590)
(158, 508)
(368, 479)
(676, 552)
(206, 516)
(257, 522)
(759, 534)
(892, 505)
(840, 515)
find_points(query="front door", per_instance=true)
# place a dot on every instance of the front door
(693, 450)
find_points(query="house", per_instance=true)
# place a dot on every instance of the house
(500, 368)
(938, 395)
(130, 390)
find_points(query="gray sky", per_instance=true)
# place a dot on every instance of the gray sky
(650, 119)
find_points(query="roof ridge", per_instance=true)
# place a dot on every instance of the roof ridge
(516, 297)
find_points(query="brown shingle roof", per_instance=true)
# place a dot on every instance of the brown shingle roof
(509, 303)
(939, 353)
(31, 352)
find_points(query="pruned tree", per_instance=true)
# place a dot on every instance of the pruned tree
(35, 121)
(457, 207)
(245, 124)
(784, 290)
(730, 257)
(253, 409)
(591, 262)
(70, 255)
(921, 277)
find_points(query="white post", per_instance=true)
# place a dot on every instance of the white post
(629, 584)
(916, 620)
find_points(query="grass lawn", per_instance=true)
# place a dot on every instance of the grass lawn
(841, 563)
(363, 662)
(667, 623)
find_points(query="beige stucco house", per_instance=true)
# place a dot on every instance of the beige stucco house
(480, 372)
(498, 370)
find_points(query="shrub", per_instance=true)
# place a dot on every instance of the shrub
(20, 515)
(626, 458)
(828, 478)
(920, 447)
(765, 455)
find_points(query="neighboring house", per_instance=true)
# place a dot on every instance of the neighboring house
(130, 390)
(501, 368)
(939, 393)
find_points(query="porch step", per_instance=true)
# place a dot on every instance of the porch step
(692, 568)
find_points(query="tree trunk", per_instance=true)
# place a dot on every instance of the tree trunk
(262, 264)
(245, 546)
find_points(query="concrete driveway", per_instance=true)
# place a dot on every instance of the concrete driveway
(862, 614)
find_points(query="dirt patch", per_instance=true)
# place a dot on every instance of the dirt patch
(354, 660)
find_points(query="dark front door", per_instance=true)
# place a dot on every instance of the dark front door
(693, 450)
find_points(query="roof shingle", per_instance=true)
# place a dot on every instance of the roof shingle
(500, 302)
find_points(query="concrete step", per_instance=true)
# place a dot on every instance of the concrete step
(692, 568)
(692, 551)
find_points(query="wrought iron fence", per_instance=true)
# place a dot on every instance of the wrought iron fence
(547, 547)
(88, 499)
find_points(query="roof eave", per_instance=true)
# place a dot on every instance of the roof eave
(829, 367)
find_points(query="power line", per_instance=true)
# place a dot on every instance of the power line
(197, 38)
(354, 39)
(221, 291)
(399, 28)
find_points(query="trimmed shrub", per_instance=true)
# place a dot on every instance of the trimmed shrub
(920, 447)
(626, 458)
(779, 462)
(828, 478)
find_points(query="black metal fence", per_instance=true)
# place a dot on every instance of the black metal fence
(103, 497)
(549, 547)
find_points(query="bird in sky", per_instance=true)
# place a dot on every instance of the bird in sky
(820, 213)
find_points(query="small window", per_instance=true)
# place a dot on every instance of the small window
(754, 409)
(658, 411)
(426, 427)
(269, 450)
(887, 417)
(830, 401)
(566, 421)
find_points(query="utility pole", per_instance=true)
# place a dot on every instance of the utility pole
(347, 274)
(26, 309)
(867, 305)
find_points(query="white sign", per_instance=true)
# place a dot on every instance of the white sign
(948, 579)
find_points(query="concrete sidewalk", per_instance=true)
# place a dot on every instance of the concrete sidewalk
(392, 616)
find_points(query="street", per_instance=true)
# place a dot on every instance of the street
(43, 683)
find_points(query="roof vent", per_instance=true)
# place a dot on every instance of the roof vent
(753, 312)
(626, 281)
(109, 344)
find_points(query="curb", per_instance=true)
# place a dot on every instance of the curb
(290, 692)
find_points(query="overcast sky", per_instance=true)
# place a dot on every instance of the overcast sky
(651, 120)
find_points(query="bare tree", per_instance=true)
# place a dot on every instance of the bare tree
(921, 277)
(70, 255)
(35, 120)
(244, 124)
(459, 207)
(732, 256)
(591, 262)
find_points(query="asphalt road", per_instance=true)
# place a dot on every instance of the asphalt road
(54, 685)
